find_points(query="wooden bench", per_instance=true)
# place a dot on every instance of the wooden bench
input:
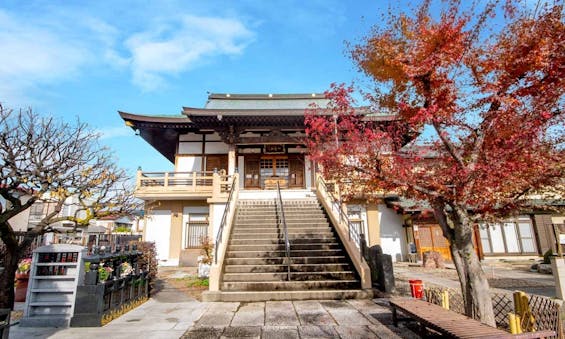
(449, 323)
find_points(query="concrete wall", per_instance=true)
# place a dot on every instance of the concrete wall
(393, 238)
(165, 226)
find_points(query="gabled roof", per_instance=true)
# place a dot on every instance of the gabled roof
(233, 113)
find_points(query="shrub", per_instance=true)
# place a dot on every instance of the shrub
(148, 260)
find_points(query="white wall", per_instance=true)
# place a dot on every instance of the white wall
(186, 211)
(393, 237)
(216, 148)
(188, 164)
(216, 215)
(158, 229)
(20, 221)
(190, 147)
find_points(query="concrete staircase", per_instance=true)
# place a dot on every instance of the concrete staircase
(255, 267)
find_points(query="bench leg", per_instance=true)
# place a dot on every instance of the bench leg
(394, 316)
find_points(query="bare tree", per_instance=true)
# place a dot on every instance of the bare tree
(46, 160)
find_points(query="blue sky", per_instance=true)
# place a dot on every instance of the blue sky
(92, 58)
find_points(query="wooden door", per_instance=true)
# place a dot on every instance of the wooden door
(430, 238)
(252, 177)
(296, 172)
(274, 169)
(219, 162)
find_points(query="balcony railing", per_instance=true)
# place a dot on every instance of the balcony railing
(180, 184)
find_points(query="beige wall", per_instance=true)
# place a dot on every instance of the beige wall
(176, 208)
(373, 225)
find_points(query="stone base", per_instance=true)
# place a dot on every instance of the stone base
(44, 321)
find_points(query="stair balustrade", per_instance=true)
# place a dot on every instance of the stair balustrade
(281, 221)
(353, 228)
(229, 212)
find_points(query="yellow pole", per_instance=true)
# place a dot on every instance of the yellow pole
(445, 299)
(512, 323)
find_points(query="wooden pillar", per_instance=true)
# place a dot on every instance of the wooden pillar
(373, 225)
(231, 159)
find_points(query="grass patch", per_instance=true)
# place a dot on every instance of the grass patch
(194, 282)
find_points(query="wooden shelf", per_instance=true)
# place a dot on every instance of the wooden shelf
(56, 264)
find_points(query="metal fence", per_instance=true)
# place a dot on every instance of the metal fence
(544, 310)
(195, 232)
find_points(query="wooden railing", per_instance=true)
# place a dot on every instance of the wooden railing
(205, 183)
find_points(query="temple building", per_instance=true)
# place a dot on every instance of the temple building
(244, 185)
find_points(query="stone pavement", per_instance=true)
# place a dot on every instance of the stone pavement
(297, 319)
(173, 314)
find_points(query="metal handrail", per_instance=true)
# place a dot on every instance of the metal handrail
(279, 203)
(358, 236)
(224, 218)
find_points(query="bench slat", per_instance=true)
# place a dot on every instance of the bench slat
(450, 323)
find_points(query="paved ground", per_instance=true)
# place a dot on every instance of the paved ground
(172, 313)
(298, 319)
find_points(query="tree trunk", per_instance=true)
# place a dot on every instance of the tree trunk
(7, 278)
(476, 293)
(458, 229)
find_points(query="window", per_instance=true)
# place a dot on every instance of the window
(196, 230)
(513, 236)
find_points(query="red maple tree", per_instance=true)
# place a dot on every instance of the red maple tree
(487, 83)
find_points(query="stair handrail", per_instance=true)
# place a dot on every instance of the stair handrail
(282, 219)
(229, 207)
(336, 206)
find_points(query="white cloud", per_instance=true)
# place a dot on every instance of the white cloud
(114, 132)
(32, 55)
(169, 49)
(39, 50)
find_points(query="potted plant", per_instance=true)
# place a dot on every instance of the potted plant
(104, 272)
(22, 279)
(205, 260)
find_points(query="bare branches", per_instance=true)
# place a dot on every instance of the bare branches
(43, 159)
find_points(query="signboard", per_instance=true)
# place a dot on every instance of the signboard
(274, 149)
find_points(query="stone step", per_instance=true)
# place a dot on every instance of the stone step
(339, 259)
(292, 234)
(274, 254)
(340, 267)
(289, 285)
(251, 228)
(257, 296)
(294, 276)
(281, 247)
(312, 209)
(295, 228)
(280, 241)
(295, 218)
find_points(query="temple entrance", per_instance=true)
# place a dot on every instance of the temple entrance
(264, 172)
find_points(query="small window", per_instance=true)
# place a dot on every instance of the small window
(196, 230)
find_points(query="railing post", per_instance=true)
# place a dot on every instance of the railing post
(216, 186)
(138, 178)
(166, 183)
(194, 181)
